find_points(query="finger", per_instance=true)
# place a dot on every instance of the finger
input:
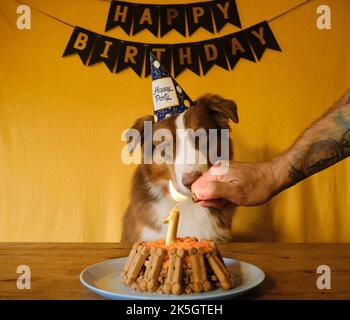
(218, 172)
(203, 180)
(212, 190)
(218, 204)
(220, 169)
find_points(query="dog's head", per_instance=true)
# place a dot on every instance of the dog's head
(183, 145)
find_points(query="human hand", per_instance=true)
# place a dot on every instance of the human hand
(244, 184)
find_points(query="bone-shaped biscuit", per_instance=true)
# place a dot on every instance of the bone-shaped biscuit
(200, 280)
(220, 270)
(153, 269)
(220, 261)
(131, 256)
(140, 256)
(173, 281)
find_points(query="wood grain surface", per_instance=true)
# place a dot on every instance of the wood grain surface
(290, 268)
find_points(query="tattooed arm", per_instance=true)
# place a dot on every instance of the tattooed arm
(324, 143)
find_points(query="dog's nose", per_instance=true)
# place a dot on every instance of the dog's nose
(190, 177)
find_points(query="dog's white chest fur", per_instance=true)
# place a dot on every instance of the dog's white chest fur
(194, 220)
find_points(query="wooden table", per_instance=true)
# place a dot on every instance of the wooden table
(290, 268)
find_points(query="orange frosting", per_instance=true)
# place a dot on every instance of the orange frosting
(185, 243)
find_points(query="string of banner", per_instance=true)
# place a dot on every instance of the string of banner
(186, 19)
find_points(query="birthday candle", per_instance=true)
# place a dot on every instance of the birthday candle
(173, 218)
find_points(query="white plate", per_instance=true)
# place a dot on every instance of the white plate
(104, 278)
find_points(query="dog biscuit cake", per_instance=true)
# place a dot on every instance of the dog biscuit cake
(183, 267)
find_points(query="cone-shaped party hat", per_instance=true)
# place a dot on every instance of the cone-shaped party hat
(168, 97)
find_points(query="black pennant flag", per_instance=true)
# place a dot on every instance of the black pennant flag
(261, 37)
(120, 14)
(225, 11)
(80, 42)
(199, 15)
(131, 55)
(163, 55)
(185, 56)
(172, 17)
(146, 17)
(106, 50)
(210, 53)
(237, 46)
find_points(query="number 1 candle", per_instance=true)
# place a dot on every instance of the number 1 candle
(173, 218)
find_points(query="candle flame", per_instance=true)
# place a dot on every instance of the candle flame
(178, 197)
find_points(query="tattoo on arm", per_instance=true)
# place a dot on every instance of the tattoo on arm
(325, 143)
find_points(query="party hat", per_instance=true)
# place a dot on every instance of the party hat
(168, 97)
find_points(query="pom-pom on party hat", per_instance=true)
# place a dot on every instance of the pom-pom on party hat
(168, 97)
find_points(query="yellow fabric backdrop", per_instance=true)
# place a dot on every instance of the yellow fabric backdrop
(61, 178)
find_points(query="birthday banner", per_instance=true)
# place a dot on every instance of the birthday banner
(160, 19)
(199, 57)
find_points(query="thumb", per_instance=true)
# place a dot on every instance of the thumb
(211, 190)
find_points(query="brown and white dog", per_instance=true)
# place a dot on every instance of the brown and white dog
(150, 199)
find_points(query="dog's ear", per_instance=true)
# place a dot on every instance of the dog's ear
(139, 125)
(222, 109)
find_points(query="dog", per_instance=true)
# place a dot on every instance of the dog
(150, 200)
